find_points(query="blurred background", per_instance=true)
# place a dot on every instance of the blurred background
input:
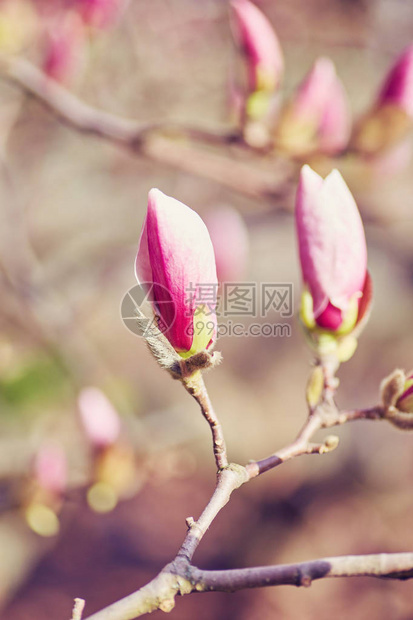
(95, 510)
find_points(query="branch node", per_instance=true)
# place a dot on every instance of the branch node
(167, 605)
(304, 580)
(78, 609)
(190, 522)
(330, 443)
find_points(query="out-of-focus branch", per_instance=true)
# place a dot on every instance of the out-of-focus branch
(181, 579)
(170, 143)
(384, 565)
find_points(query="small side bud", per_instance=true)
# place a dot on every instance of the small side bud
(397, 396)
(330, 443)
(392, 387)
(315, 386)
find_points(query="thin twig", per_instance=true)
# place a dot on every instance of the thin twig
(391, 566)
(78, 609)
(196, 387)
(228, 480)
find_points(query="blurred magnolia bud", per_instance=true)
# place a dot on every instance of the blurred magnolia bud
(405, 400)
(317, 118)
(390, 118)
(397, 398)
(263, 55)
(64, 46)
(44, 495)
(99, 418)
(18, 25)
(315, 386)
(101, 14)
(176, 266)
(397, 89)
(333, 256)
(50, 468)
(230, 239)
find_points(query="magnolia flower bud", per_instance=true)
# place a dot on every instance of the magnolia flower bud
(405, 401)
(333, 253)
(230, 239)
(318, 116)
(50, 468)
(64, 47)
(263, 54)
(397, 89)
(99, 418)
(391, 116)
(176, 265)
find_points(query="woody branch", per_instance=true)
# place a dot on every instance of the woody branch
(171, 144)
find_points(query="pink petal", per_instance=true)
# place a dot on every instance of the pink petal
(312, 94)
(64, 45)
(335, 123)
(256, 35)
(182, 262)
(99, 417)
(50, 468)
(397, 89)
(331, 239)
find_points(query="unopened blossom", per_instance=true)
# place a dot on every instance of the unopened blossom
(397, 89)
(50, 468)
(99, 417)
(317, 118)
(257, 39)
(333, 253)
(390, 117)
(64, 46)
(176, 264)
(405, 401)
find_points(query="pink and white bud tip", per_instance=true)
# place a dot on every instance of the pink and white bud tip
(175, 264)
(333, 254)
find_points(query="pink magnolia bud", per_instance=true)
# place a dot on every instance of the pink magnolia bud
(318, 116)
(260, 44)
(332, 249)
(405, 401)
(101, 13)
(99, 417)
(397, 89)
(389, 120)
(50, 468)
(176, 258)
(230, 239)
(64, 47)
